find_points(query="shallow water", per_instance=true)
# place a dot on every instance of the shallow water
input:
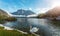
(46, 27)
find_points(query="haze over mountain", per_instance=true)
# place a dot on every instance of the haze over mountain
(52, 13)
(3, 14)
(2, 11)
(23, 12)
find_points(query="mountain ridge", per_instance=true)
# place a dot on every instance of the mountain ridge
(23, 12)
(53, 13)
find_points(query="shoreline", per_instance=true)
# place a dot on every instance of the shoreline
(8, 28)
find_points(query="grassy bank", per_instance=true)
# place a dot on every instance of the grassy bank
(12, 33)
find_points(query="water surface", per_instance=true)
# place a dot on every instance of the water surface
(46, 27)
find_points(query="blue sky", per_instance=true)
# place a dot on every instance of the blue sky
(38, 6)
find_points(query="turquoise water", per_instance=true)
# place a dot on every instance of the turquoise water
(46, 27)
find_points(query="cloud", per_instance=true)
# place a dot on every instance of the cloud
(53, 3)
(38, 7)
(50, 4)
(41, 10)
(30, 8)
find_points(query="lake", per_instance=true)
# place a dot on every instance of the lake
(46, 27)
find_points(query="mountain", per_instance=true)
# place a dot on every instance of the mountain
(52, 13)
(55, 12)
(3, 14)
(23, 12)
(5, 17)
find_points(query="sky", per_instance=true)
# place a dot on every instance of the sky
(37, 6)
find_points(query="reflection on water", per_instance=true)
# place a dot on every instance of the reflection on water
(46, 27)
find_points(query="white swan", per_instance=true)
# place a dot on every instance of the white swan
(34, 29)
